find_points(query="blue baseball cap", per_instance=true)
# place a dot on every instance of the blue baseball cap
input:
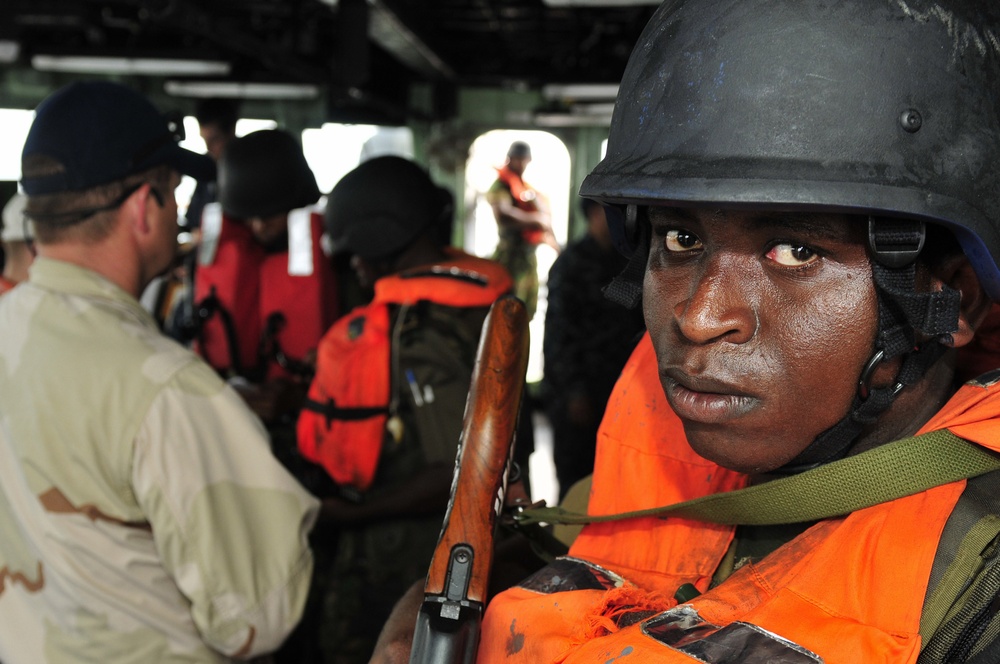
(100, 132)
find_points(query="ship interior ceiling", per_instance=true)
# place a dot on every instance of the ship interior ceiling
(360, 61)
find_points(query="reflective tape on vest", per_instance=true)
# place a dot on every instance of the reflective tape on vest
(683, 630)
(300, 242)
(566, 573)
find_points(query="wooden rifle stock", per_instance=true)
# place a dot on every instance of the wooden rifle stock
(447, 629)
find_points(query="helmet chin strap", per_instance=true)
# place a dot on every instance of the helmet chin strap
(902, 311)
(626, 288)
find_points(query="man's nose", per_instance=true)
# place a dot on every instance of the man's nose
(721, 305)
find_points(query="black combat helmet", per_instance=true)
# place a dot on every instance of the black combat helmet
(264, 174)
(382, 206)
(883, 107)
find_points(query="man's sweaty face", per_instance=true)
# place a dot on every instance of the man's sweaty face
(762, 323)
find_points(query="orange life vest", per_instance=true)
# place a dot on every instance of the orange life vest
(525, 198)
(344, 421)
(286, 300)
(847, 590)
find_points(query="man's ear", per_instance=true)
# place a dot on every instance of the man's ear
(137, 206)
(958, 273)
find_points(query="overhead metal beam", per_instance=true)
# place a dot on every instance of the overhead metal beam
(387, 30)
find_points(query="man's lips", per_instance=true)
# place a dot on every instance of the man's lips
(704, 399)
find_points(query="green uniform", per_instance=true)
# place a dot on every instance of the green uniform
(515, 253)
(375, 564)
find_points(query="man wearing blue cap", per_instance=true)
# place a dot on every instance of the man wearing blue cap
(142, 515)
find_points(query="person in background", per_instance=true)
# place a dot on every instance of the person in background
(384, 412)
(143, 517)
(171, 297)
(17, 239)
(264, 284)
(217, 119)
(587, 340)
(523, 222)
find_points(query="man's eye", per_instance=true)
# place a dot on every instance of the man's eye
(677, 241)
(791, 255)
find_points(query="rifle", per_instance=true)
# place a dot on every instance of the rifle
(447, 628)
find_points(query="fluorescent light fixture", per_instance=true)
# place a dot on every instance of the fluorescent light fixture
(81, 64)
(241, 90)
(9, 50)
(581, 91)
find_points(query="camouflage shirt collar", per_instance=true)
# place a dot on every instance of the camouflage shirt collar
(63, 277)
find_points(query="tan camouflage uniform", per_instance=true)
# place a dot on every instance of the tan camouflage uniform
(142, 515)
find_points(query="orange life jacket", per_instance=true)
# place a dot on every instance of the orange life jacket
(286, 300)
(847, 590)
(344, 421)
(525, 198)
(6, 285)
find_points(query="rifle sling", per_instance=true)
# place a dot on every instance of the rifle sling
(887, 472)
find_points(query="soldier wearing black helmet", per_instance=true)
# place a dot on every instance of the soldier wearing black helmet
(265, 290)
(809, 194)
(384, 412)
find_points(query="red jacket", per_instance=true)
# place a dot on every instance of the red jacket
(291, 292)
(525, 198)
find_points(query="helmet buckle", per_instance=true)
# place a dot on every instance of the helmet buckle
(895, 243)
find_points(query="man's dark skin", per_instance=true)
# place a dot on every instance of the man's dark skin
(762, 323)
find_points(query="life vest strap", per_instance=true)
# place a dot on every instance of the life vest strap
(331, 411)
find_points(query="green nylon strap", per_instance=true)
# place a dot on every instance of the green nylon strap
(887, 472)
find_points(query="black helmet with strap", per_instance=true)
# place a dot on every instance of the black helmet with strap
(263, 174)
(886, 109)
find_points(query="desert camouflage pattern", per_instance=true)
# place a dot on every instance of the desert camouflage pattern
(143, 517)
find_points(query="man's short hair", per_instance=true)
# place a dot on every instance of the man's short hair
(65, 215)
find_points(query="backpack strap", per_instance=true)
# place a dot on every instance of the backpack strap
(960, 615)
